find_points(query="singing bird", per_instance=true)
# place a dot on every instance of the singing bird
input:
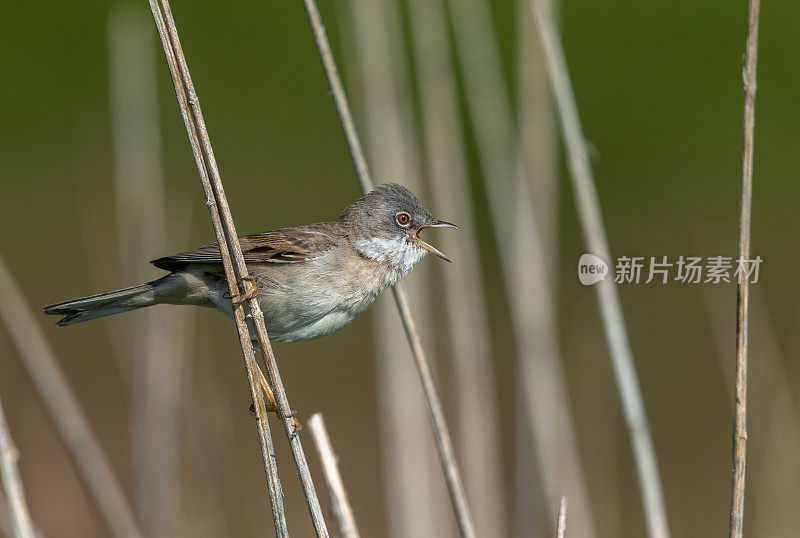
(311, 280)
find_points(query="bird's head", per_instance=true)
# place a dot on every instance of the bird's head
(385, 226)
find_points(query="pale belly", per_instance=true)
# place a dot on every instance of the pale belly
(302, 332)
(295, 322)
(290, 316)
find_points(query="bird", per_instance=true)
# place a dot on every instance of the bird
(310, 280)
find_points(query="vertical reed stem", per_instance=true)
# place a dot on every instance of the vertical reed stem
(743, 288)
(519, 227)
(236, 275)
(588, 207)
(478, 433)
(443, 440)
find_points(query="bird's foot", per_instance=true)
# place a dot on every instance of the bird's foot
(272, 409)
(271, 406)
(297, 426)
(253, 292)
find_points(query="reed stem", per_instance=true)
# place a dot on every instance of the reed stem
(743, 286)
(444, 442)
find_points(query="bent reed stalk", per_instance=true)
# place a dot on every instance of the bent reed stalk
(64, 409)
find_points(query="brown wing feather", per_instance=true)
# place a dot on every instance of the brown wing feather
(287, 245)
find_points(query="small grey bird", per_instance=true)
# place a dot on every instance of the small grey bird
(312, 280)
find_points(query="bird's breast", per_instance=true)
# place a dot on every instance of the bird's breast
(308, 300)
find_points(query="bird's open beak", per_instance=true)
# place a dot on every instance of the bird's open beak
(426, 246)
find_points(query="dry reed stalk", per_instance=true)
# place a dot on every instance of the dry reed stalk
(544, 385)
(237, 275)
(478, 436)
(561, 527)
(414, 497)
(743, 288)
(64, 410)
(541, 379)
(414, 494)
(21, 523)
(588, 207)
(159, 336)
(444, 442)
(340, 504)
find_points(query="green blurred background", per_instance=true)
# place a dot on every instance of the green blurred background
(659, 90)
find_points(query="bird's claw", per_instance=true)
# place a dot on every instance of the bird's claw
(297, 426)
(238, 299)
(293, 415)
(297, 429)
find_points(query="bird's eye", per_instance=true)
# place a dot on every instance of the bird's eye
(403, 218)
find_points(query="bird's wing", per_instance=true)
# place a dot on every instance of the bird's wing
(287, 245)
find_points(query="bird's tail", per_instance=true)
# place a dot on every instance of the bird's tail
(103, 304)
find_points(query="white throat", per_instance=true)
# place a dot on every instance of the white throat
(401, 253)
